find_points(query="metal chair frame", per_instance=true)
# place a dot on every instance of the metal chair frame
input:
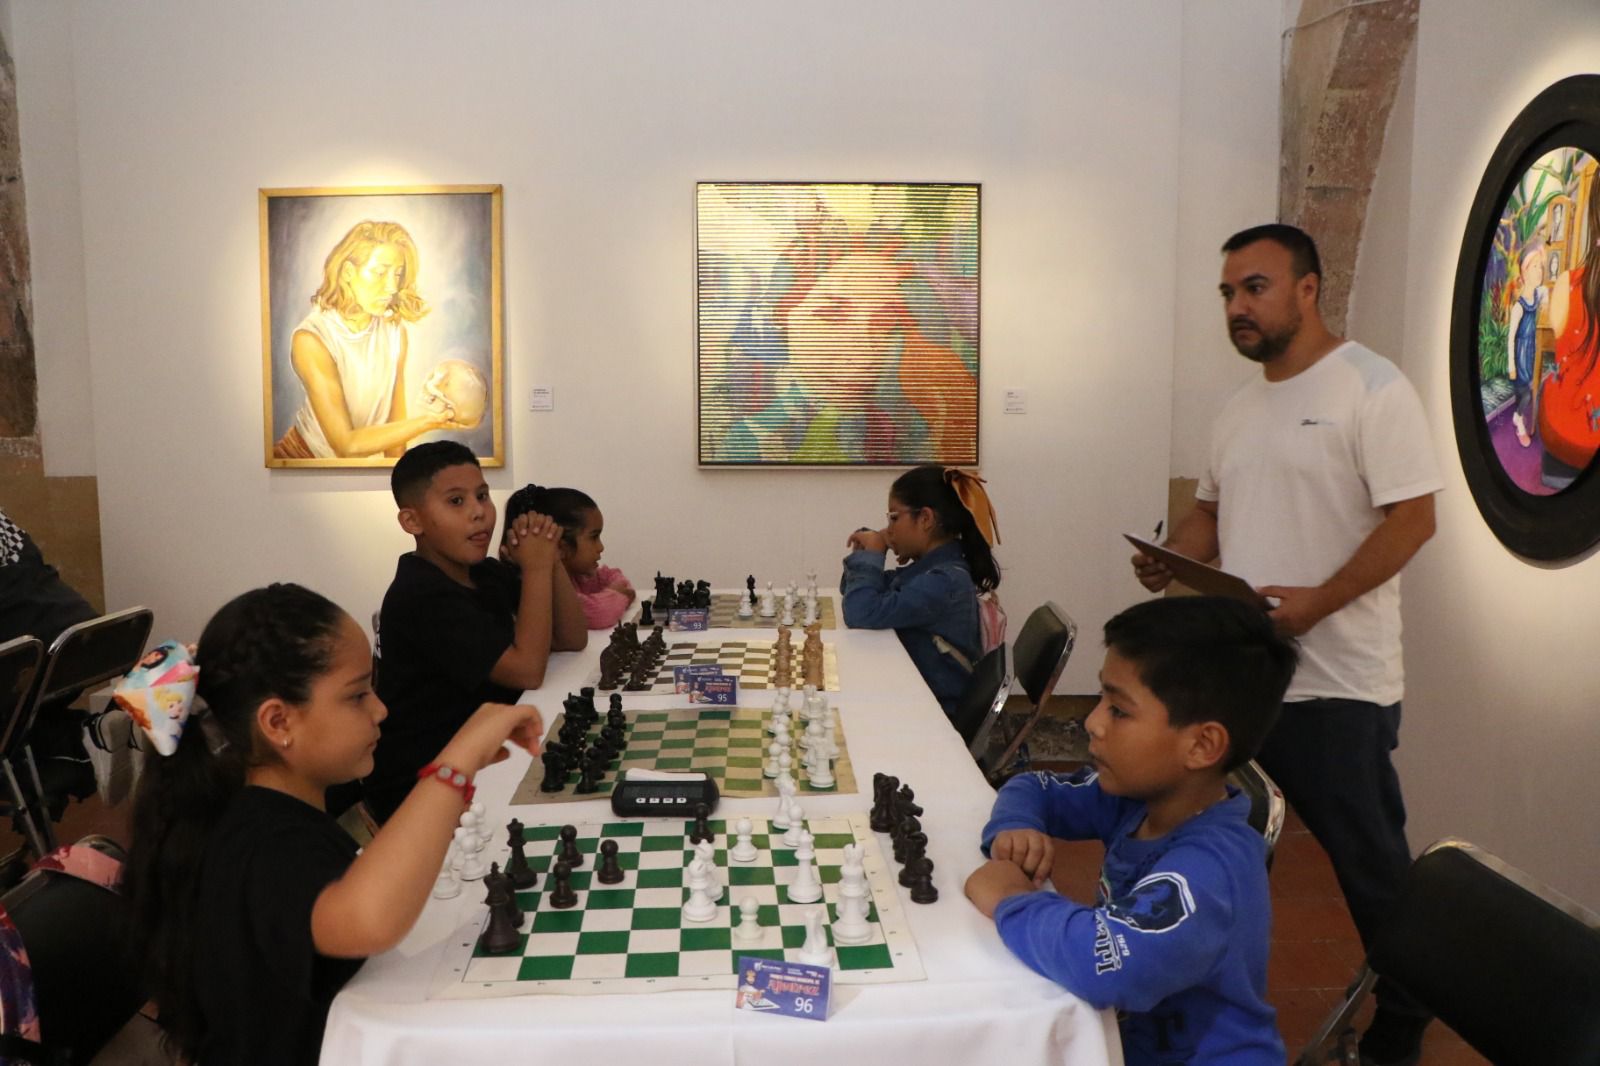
(20, 660)
(1048, 611)
(1267, 805)
(994, 668)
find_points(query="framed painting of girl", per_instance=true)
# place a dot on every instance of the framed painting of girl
(381, 322)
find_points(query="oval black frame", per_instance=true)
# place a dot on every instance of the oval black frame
(1545, 528)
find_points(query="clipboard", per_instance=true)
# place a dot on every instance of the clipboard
(1204, 579)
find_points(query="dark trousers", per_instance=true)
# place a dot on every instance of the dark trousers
(1331, 758)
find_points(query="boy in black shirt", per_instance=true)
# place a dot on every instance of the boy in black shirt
(458, 628)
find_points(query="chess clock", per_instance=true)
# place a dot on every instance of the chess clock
(642, 793)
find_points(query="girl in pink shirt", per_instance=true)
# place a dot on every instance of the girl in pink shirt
(604, 592)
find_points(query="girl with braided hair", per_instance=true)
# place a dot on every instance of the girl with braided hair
(604, 592)
(941, 527)
(252, 905)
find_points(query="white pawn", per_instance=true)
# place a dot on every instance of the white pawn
(851, 926)
(485, 835)
(810, 616)
(745, 849)
(700, 907)
(770, 769)
(472, 868)
(745, 610)
(811, 584)
(815, 950)
(796, 831)
(830, 733)
(819, 773)
(748, 930)
(448, 885)
(785, 765)
(469, 822)
(780, 702)
(788, 611)
(768, 605)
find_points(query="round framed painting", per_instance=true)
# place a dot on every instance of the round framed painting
(1525, 329)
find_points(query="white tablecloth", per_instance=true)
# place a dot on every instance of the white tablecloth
(978, 1004)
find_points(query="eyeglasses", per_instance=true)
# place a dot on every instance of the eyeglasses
(894, 516)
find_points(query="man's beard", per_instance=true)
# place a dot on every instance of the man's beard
(1267, 346)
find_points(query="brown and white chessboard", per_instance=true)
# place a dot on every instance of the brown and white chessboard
(725, 613)
(751, 661)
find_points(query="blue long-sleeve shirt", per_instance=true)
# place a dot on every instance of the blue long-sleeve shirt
(933, 596)
(1177, 940)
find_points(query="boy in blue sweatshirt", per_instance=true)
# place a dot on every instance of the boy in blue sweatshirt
(1177, 938)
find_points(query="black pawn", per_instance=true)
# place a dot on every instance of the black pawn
(702, 827)
(916, 849)
(616, 704)
(569, 852)
(589, 780)
(500, 938)
(561, 895)
(646, 615)
(922, 890)
(609, 873)
(522, 875)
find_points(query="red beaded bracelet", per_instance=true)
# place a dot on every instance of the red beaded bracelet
(450, 776)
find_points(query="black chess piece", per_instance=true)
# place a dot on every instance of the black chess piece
(569, 852)
(916, 848)
(561, 896)
(555, 769)
(616, 704)
(522, 875)
(500, 937)
(610, 872)
(589, 779)
(646, 615)
(883, 787)
(922, 890)
(750, 583)
(905, 802)
(702, 826)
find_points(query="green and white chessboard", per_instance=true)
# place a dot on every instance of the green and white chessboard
(727, 743)
(725, 613)
(748, 660)
(631, 937)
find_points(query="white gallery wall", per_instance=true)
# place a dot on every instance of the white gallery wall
(1105, 138)
(1502, 710)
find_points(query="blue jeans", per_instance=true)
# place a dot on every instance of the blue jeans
(1331, 758)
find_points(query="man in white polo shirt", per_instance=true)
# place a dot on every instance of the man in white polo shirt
(1319, 489)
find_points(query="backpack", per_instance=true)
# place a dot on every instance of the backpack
(991, 620)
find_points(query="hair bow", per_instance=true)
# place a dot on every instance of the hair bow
(158, 693)
(970, 491)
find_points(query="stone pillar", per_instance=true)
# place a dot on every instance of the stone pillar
(1339, 82)
(19, 383)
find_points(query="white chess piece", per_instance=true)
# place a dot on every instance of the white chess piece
(819, 773)
(745, 610)
(472, 868)
(769, 605)
(785, 764)
(485, 834)
(811, 583)
(788, 612)
(748, 930)
(469, 822)
(815, 950)
(745, 849)
(796, 831)
(851, 926)
(448, 885)
(781, 819)
(770, 769)
(700, 907)
(830, 733)
(810, 616)
(707, 855)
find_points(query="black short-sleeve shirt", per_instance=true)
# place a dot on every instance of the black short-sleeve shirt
(439, 640)
(263, 988)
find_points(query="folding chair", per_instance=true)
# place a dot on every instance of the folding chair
(1267, 806)
(83, 655)
(19, 670)
(84, 974)
(1512, 966)
(1040, 654)
(982, 700)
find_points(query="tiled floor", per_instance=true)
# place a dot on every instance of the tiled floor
(1314, 947)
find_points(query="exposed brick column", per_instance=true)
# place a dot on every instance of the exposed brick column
(19, 387)
(1338, 88)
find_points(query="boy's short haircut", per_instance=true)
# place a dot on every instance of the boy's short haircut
(1303, 257)
(414, 471)
(1209, 659)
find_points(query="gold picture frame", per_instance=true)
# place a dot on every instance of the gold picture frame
(381, 323)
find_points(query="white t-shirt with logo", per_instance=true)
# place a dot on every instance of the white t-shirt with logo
(1300, 470)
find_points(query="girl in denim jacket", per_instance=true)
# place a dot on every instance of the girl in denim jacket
(941, 528)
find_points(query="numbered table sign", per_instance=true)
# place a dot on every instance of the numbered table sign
(776, 987)
(689, 620)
